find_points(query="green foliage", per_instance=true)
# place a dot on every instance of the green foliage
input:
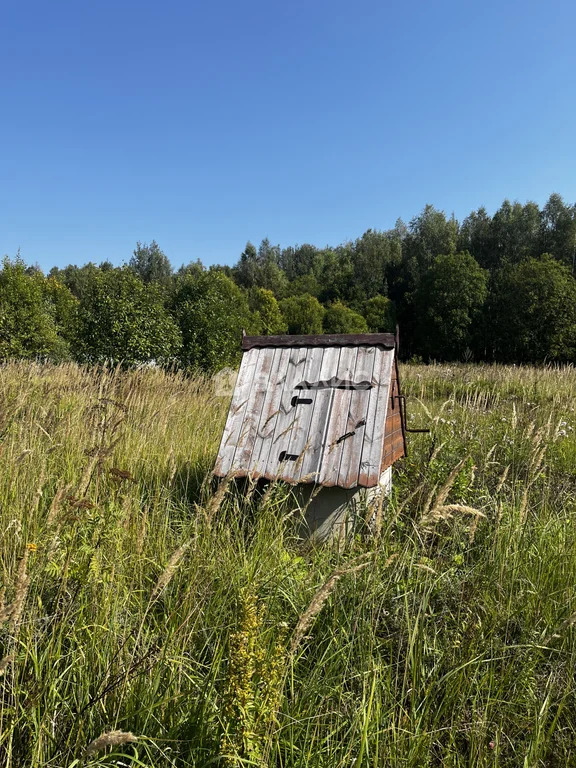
(260, 268)
(450, 297)
(371, 259)
(533, 311)
(476, 237)
(414, 275)
(253, 686)
(337, 279)
(558, 230)
(137, 599)
(123, 320)
(193, 267)
(32, 312)
(301, 261)
(150, 263)
(77, 279)
(341, 319)
(64, 309)
(303, 314)
(515, 232)
(380, 314)
(211, 311)
(268, 318)
(304, 284)
(429, 234)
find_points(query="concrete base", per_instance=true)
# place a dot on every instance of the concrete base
(333, 513)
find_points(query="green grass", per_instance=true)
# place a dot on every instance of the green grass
(138, 598)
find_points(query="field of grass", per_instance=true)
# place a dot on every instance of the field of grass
(192, 626)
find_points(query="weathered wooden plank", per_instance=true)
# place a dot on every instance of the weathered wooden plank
(260, 384)
(376, 420)
(277, 454)
(392, 457)
(357, 418)
(395, 439)
(270, 412)
(386, 340)
(303, 403)
(333, 441)
(309, 470)
(328, 433)
(260, 401)
(236, 412)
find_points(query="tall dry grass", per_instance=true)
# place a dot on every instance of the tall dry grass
(136, 597)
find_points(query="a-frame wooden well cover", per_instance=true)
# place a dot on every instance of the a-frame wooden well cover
(315, 409)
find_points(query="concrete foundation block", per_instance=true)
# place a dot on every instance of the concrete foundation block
(333, 513)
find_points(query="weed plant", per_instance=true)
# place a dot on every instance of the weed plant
(149, 617)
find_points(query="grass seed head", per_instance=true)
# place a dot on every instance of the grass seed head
(170, 569)
(110, 739)
(317, 603)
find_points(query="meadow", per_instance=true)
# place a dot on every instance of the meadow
(149, 617)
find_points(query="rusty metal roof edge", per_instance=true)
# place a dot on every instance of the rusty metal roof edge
(386, 340)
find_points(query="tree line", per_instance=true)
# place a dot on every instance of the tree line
(495, 288)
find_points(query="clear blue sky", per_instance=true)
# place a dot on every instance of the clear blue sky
(206, 124)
